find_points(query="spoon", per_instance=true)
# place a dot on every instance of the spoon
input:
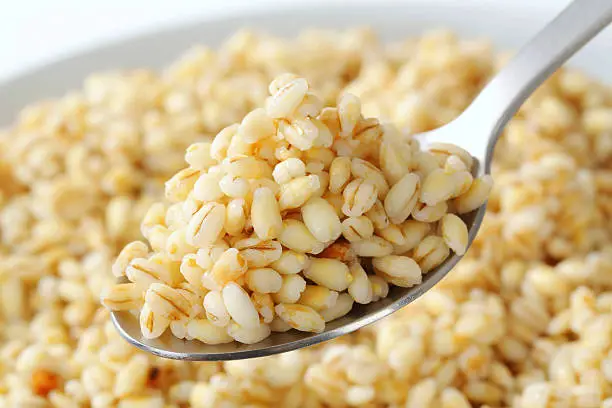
(483, 121)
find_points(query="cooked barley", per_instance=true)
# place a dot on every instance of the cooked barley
(300, 317)
(239, 306)
(248, 335)
(402, 198)
(318, 297)
(343, 305)
(543, 250)
(216, 312)
(360, 287)
(263, 280)
(357, 228)
(291, 289)
(359, 197)
(265, 214)
(331, 273)
(321, 220)
(372, 247)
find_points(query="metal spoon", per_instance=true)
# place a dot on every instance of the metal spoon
(476, 130)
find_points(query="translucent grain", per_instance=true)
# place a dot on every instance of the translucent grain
(321, 220)
(239, 306)
(265, 214)
(402, 198)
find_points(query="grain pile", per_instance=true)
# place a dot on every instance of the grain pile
(525, 320)
(273, 225)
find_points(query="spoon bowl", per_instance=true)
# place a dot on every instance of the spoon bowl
(360, 316)
(483, 121)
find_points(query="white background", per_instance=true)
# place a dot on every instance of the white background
(35, 31)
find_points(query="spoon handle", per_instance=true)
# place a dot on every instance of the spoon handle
(535, 62)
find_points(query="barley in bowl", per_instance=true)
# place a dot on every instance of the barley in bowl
(522, 322)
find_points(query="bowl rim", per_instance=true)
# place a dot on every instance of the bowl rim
(258, 10)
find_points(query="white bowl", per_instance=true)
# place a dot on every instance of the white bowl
(508, 23)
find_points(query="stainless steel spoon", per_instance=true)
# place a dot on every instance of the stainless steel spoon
(476, 130)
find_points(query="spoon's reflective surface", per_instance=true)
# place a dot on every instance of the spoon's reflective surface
(476, 130)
